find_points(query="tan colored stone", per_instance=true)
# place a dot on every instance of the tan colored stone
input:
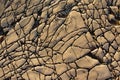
(106, 46)
(44, 70)
(94, 24)
(58, 45)
(66, 45)
(4, 22)
(33, 34)
(2, 7)
(44, 34)
(69, 55)
(87, 62)
(6, 71)
(73, 53)
(114, 45)
(44, 15)
(94, 51)
(98, 32)
(114, 64)
(32, 75)
(19, 63)
(111, 49)
(34, 61)
(21, 9)
(40, 27)
(23, 22)
(114, 9)
(118, 2)
(65, 76)
(89, 37)
(13, 47)
(70, 2)
(74, 22)
(1, 72)
(118, 39)
(35, 15)
(82, 42)
(107, 58)
(109, 36)
(72, 34)
(71, 73)
(33, 3)
(57, 58)
(29, 26)
(116, 70)
(90, 12)
(48, 78)
(61, 68)
(59, 7)
(100, 72)
(53, 27)
(10, 19)
(100, 4)
(100, 54)
(73, 65)
(117, 56)
(12, 37)
(81, 74)
(101, 40)
(85, 1)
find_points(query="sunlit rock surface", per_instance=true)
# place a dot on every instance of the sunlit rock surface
(59, 39)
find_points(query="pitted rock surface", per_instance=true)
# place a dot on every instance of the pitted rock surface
(59, 39)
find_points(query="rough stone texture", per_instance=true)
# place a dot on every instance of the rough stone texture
(59, 39)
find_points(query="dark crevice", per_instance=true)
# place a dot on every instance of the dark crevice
(1, 31)
(109, 2)
(39, 12)
(64, 13)
(8, 3)
(36, 24)
(113, 21)
(118, 14)
(91, 32)
(9, 78)
(95, 57)
(109, 78)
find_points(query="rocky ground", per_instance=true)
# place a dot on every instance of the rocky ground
(59, 39)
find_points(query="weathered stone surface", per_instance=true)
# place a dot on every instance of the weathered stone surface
(100, 72)
(4, 22)
(12, 37)
(86, 62)
(81, 74)
(118, 39)
(101, 40)
(82, 42)
(59, 40)
(2, 7)
(117, 56)
(109, 36)
(61, 68)
(44, 70)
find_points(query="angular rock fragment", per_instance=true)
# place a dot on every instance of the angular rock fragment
(100, 72)
(87, 62)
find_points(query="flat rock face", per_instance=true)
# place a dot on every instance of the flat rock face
(59, 39)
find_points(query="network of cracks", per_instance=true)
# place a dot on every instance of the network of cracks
(59, 39)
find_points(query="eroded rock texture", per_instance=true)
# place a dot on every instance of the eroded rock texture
(59, 40)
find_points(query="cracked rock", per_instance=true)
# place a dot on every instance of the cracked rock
(59, 40)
